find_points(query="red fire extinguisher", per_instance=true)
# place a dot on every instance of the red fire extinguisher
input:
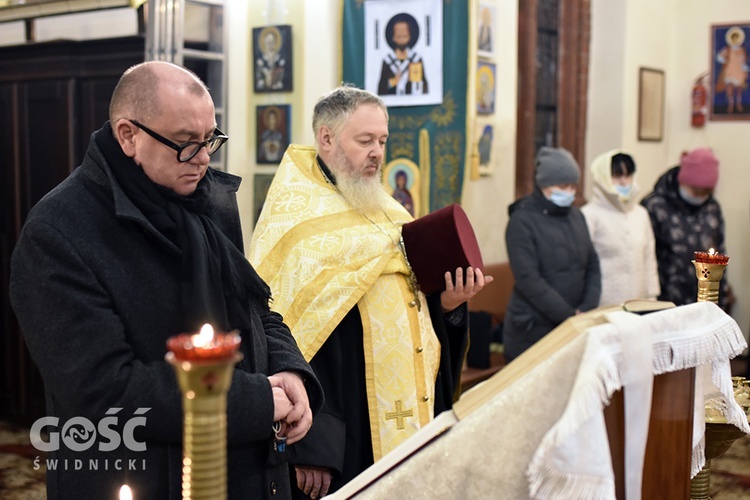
(699, 95)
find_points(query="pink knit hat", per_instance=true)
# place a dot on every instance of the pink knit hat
(699, 168)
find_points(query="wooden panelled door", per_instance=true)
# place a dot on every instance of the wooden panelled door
(553, 61)
(53, 95)
(34, 169)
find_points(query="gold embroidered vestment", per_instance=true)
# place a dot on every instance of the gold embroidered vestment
(322, 258)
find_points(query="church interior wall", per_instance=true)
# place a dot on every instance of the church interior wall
(239, 82)
(316, 57)
(486, 200)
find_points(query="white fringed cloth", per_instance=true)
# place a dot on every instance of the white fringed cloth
(545, 435)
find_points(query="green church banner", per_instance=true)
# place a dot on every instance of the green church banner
(427, 142)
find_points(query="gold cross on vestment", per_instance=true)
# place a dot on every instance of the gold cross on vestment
(399, 415)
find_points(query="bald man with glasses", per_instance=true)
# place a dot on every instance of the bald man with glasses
(140, 243)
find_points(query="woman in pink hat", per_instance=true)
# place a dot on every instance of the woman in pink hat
(686, 218)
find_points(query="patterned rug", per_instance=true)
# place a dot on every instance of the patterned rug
(19, 480)
(730, 473)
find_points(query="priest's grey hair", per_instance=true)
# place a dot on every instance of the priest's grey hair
(333, 108)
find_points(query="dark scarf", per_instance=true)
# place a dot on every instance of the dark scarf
(219, 286)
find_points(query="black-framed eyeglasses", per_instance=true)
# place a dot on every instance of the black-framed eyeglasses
(186, 151)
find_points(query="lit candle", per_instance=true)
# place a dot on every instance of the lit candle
(709, 269)
(711, 257)
(206, 336)
(204, 346)
(125, 493)
(204, 363)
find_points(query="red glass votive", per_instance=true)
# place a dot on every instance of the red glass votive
(222, 346)
(711, 258)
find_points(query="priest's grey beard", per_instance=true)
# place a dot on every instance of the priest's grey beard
(363, 193)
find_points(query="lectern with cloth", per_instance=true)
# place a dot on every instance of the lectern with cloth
(610, 404)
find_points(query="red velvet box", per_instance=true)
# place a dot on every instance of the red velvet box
(438, 242)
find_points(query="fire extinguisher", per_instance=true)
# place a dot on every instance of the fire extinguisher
(699, 95)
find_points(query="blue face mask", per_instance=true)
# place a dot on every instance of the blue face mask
(624, 191)
(693, 200)
(562, 198)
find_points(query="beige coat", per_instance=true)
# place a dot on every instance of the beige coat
(621, 231)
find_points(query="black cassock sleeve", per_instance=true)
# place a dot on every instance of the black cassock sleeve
(454, 340)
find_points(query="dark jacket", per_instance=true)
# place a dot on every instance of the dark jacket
(97, 293)
(679, 230)
(555, 270)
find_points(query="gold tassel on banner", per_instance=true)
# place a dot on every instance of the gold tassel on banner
(424, 168)
(474, 161)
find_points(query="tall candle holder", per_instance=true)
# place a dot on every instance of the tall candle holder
(719, 435)
(204, 364)
(709, 269)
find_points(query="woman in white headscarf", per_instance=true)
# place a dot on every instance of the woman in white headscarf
(621, 231)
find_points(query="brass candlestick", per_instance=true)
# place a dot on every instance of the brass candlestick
(719, 435)
(709, 269)
(204, 373)
(719, 438)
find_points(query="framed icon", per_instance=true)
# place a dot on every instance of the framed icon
(260, 191)
(272, 59)
(404, 51)
(485, 88)
(730, 97)
(272, 136)
(401, 178)
(485, 34)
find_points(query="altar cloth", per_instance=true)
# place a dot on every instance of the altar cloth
(539, 432)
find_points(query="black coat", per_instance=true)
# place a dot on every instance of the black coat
(97, 293)
(679, 230)
(555, 270)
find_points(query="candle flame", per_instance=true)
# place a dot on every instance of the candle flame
(125, 493)
(204, 337)
(711, 251)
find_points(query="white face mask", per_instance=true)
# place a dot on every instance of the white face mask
(693, 200)
(562, 198)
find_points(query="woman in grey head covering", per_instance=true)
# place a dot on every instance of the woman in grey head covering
(555, 267)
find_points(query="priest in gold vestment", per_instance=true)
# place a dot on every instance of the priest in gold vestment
(328, 242)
